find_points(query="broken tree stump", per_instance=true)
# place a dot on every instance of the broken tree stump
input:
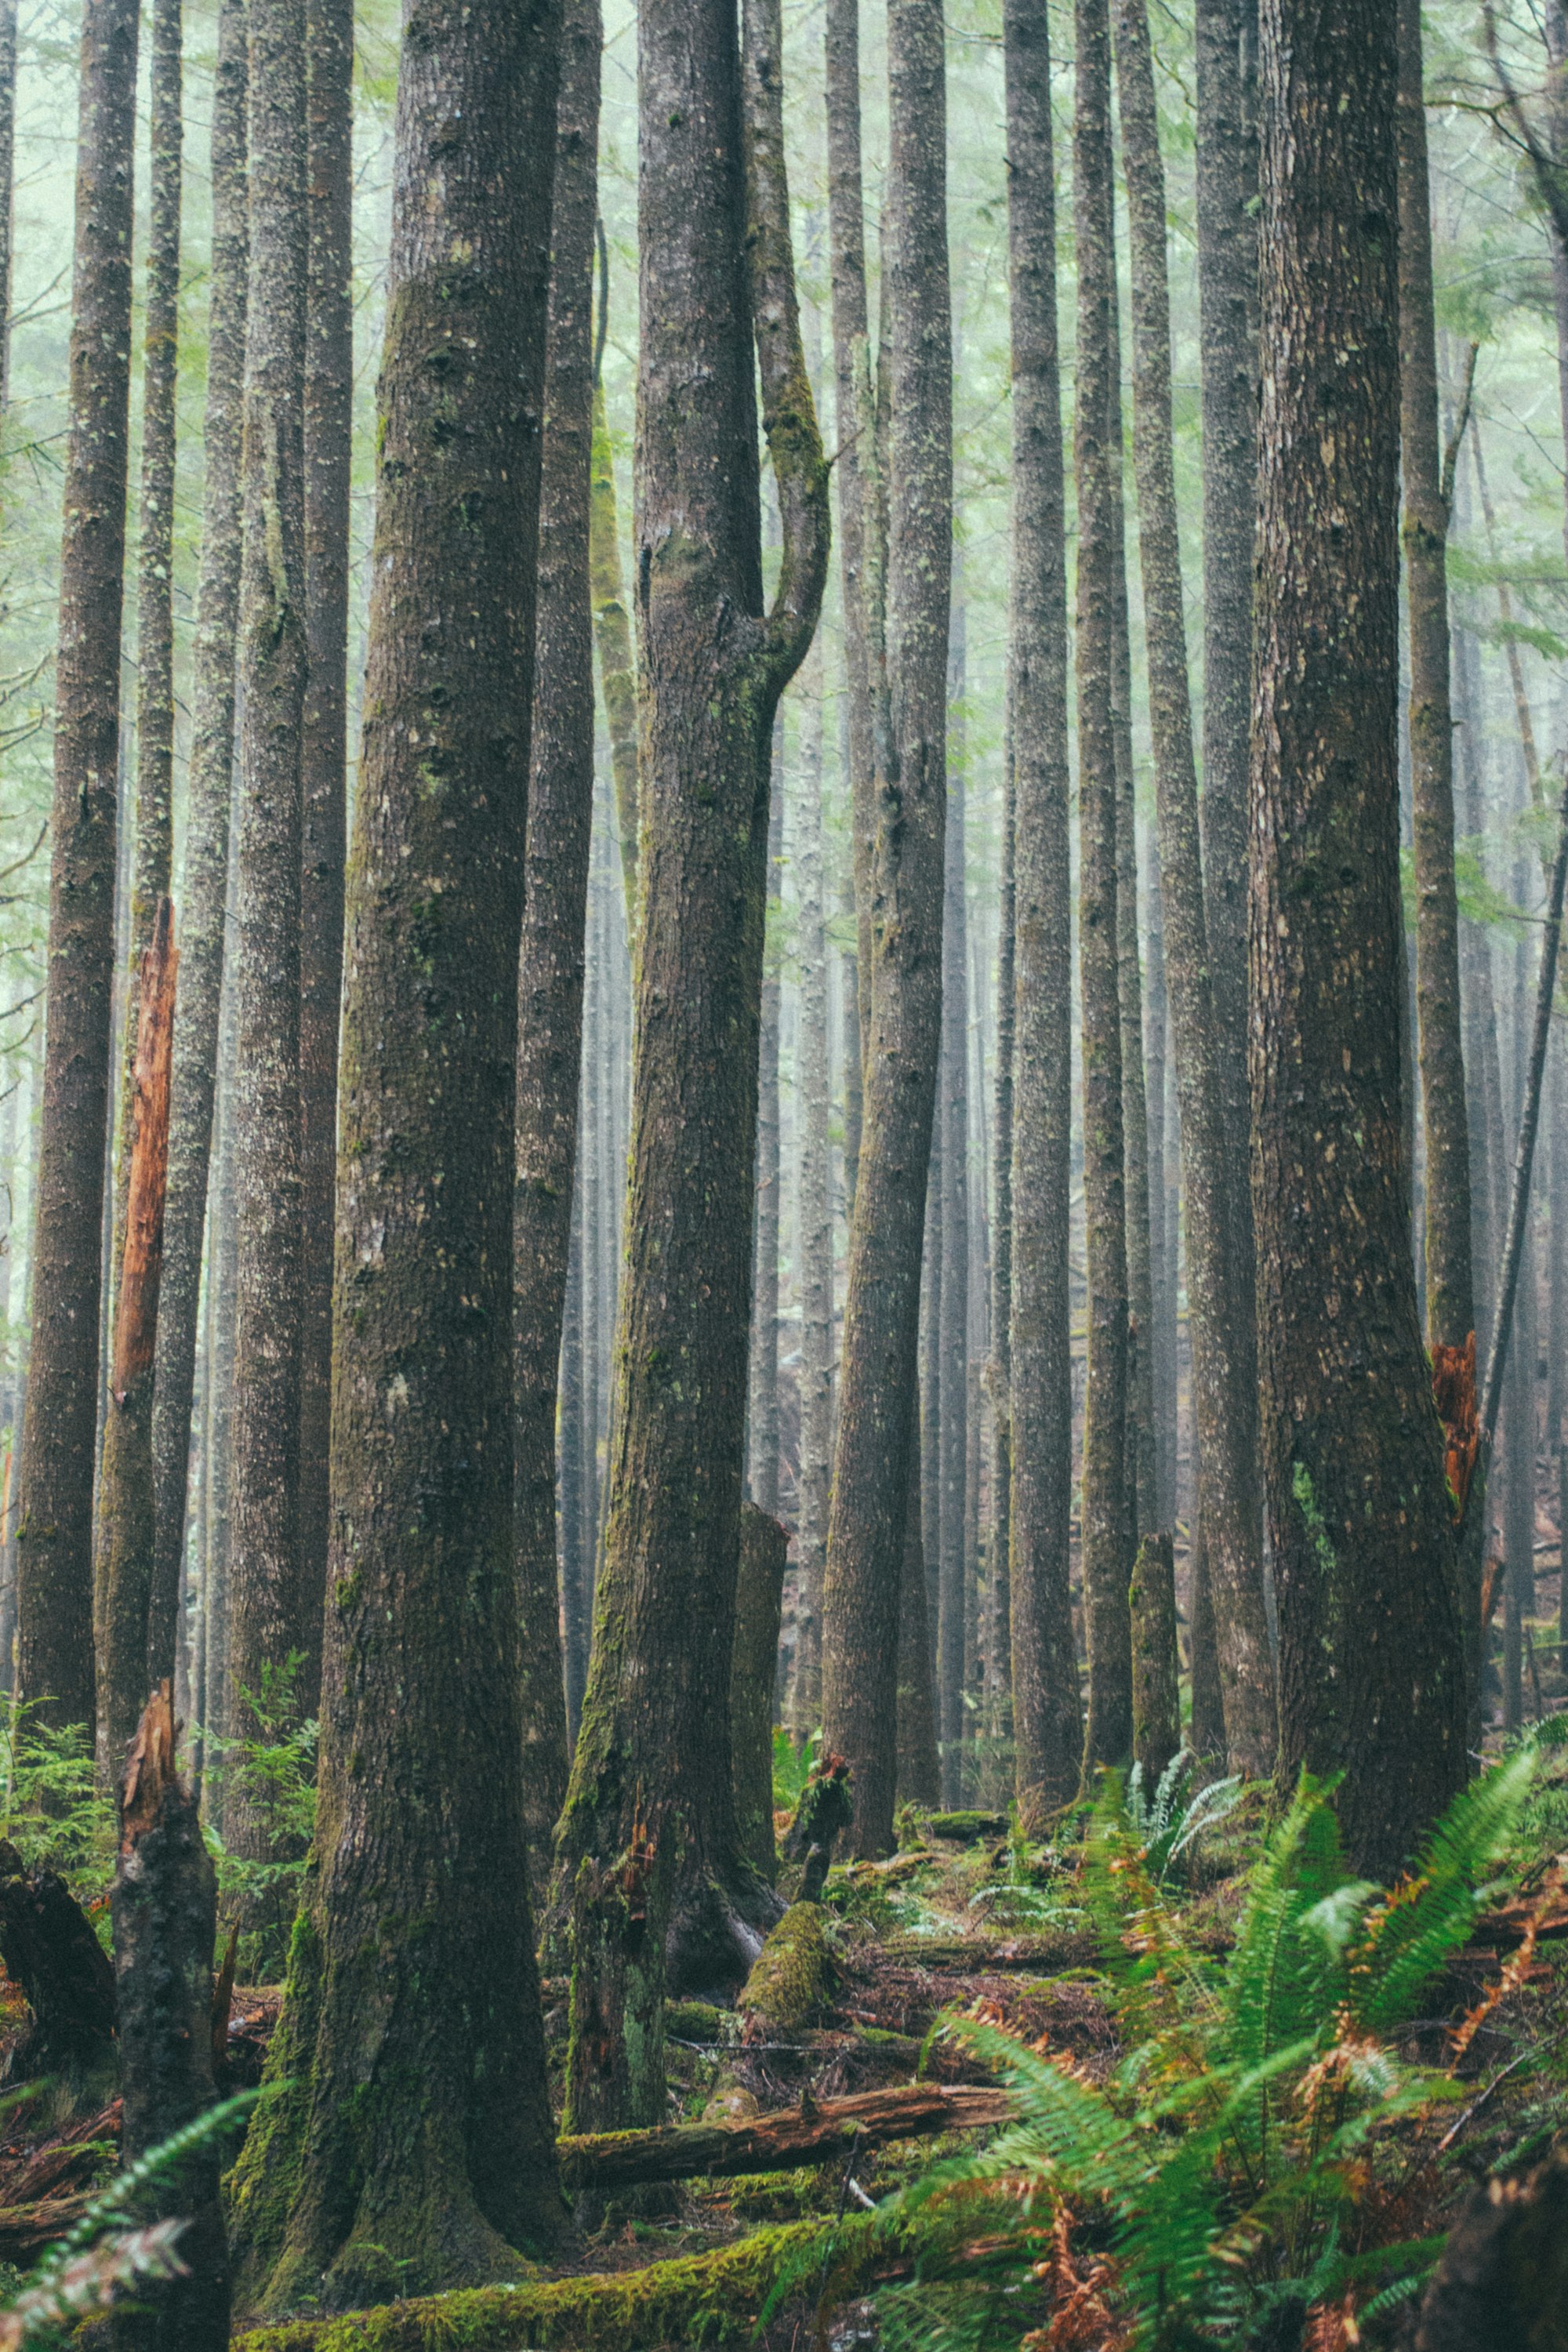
(164, 1907)
(759, 1599)
(48, 1944)
(774, 2143)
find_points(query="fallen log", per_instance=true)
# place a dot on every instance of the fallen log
(774, 2143)
(66, 2161)
(987, 1956)
(27, 2229)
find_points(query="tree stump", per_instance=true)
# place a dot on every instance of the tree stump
(1502, 2284)
(50, 1949)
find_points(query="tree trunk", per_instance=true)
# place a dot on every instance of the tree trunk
(759, 1595)
(952, 1337)
(1208, 1707)
(412, 1957)
(554, 911)
(1048, 1725)
(1156, 1693)
(54, 1594)
(265, 1613)
(611, 622)
(867, 1526)
(918, 1779)
(323, 749)
(762, 1399)
(998, 1715)
(652, 1766)
(208, 794)
(1372, 1680)
(1108, 1734)
(1217, 1308)
(163, 1903)
(7, 189)
(124, 1562)
(813, 1214)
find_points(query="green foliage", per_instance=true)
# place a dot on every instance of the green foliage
(1233, 2172)
(53, 1814)
(1171, 1821)
(791, 1766)
(273, 1773)
(1025, 1889)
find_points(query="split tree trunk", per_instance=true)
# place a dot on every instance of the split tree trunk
(1109, 1733)
(323, 750)
(413, 1956)
(554, 911)
(651, 1791)
(903, 971)
(1224, 1418)
(209, 794)
(1371, 1679)
(54, 1567)
(1048, 1725)
(126, 1509)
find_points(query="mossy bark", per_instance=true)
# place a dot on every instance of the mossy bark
(413, 1958)
(759, 1595)
(1372, 1680)
(1156, 1692)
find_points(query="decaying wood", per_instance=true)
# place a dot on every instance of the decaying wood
(27, 2229)
(795, 2135)
(1503, 2278)
(50, 1951)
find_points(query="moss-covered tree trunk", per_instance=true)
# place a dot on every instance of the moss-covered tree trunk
(651, 1793)
(208, 796)
(1047, 1721)
(1372, 1680)
(554, 910)
(54, 1547)
(1109, 1733)
(1223, 1415)
(413, 1960)
(264, 1619)
(323, 747)
(867, 1522)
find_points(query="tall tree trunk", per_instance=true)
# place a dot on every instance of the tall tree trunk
(209, 794)
(763, 1403)
(1225, 1417)
(421, 1809)
(1048, 1725)
(918, 1769)
(53, 1565)
(866, 1527)
(998, 1368)
(7, 189)
(815, 1212)
(952, 1340)
(1108, 1734)
(218, 1432)
(554, 912)
(266, 1618)
(124, 1561)
(1355, 1494)
(651, 1788)
(1161, 1186)
(324, 751)
(1226, 34)
(611, 622)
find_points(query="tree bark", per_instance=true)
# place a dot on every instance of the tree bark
(324, 751)
(125, 1520)
(998, 1368)
(7, 188)
(651, 1773)
(763, 1391)
(868, 1526)
(759, 1595)
(163, 1903)
(1047, 1726)
(554, 912)
(1109, 1731)
(918, 1779)
(1225, 1417)
(50, 1951)
(611, 622)
(813, 1212)
(1208, 1705)
(952, 1335)
(209, 794)
(54, 1567)
(413, 1955)
(774, 2142)
(1156, 1693)
(1372, 1680)
(265, 1612)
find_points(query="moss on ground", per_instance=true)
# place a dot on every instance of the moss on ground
(693, 2299)
(791, 1983)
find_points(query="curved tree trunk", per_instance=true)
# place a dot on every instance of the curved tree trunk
(209, 794)
(1047, 1723)
(867, 1521)
(1372, 1678)
(554, 912)
(413, 1956)
(53, 1543)
(650, 1806)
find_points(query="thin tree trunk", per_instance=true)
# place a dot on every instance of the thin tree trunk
(323, 750)
(1225, 1416)
(651, 1791)
(54, 1596)
(998, 1368)
(815, 1212)
(868, 1525)
(209, 795)
(1109, 1733)
(1048, 1727)
(218, 1436)
(1357, 1503)
(762, 1477)
(421, 1809)
(611, 622)
(952, 1338)
(1162, 1236)
(554, 912)
(919, 1767)
(7, 189)
(266, 1618)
